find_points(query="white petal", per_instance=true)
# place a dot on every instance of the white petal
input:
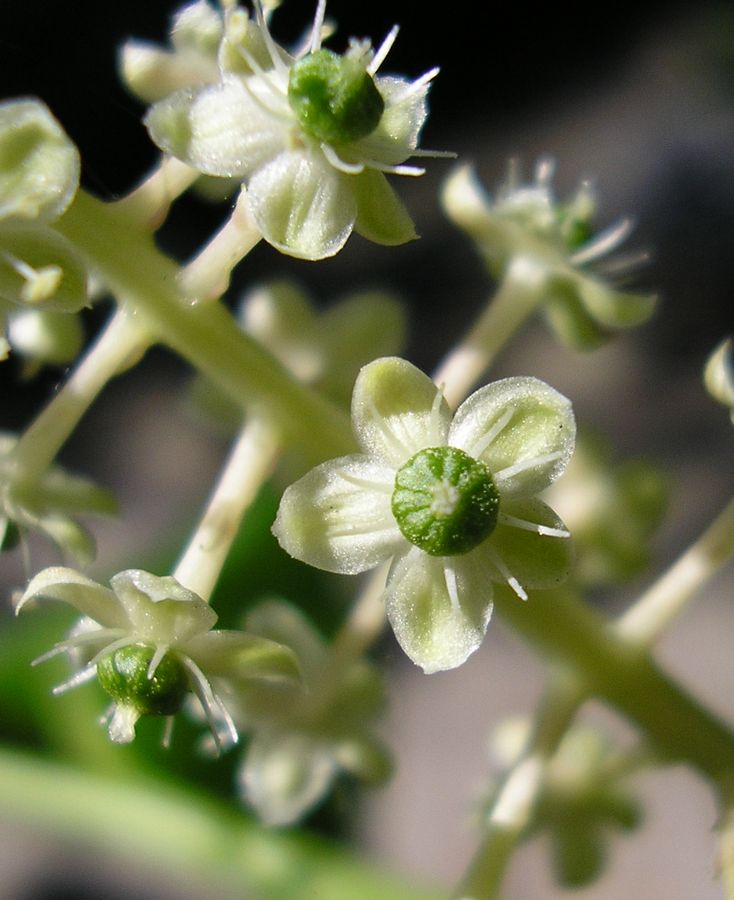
(396, 136)
(85, 595)
(159, 609)
(397, 410)
(338, 516)
(217, 130)
(285, 775)
(439, 607)
(302, 205)
(521, 428)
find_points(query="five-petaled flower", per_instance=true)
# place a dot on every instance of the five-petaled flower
(568, 268)
(302, 737)
(450, 502)
(150, 642)
(311, 135)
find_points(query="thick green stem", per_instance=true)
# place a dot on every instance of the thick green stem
(204, 334)
(162, 828)
(625, 676)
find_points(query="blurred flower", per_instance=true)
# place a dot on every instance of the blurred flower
(613, 510)
(584, 797)
(719, 375)
(48, 505)
(324, 349)
(39, 269)
(303, 736)
(578, 283)
(450, 502)
(311, 134)
(150, 642)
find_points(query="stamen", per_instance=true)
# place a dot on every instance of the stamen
(544, 530)
(511, 471)
(603, 243)
(385, 486)
(507, 574)
(437, 419)
(156, 658)
(210, 702)
(78, 678)
(449, 575)
(380, 54)
(394, 170)
(283, 113)
(415, 86)
(544, 171)
(270, 44)
(338, 163)
(168, 732)
(318, 24)
(435, 154)
(477, 449)
(388, 434)
(89, 637)
(267, 77)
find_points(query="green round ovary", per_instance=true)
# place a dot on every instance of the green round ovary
(444, 501)
(334, 97)
(124, 676)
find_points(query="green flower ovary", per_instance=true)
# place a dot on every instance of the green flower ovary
(124, 676)
(334, 98)
(444, 501)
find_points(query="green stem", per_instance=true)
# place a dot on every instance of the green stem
(646, 620)
(624, 675)
(122, 339)
(250, 463)
(160, 827)
(204, 334)
(516, 299)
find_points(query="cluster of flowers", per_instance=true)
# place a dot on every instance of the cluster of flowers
(450, 501)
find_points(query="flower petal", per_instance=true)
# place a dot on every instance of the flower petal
(396, 135)
(217, 130)
(302, 205)
(338, 516)
(397, 410)
(439, 607)
(381, 214)
(91, 599)
(160, 609)
(39, 165)
(359, 329)
(280, 621)
(521, 428)
(236, 655)
(537, 560)
(285, 775)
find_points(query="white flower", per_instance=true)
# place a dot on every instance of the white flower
(149, 642)
(310, 134)
(40, 270)
(49, 505)
(450, 502)
(580, 283)
(718, 375)
(302, 737)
